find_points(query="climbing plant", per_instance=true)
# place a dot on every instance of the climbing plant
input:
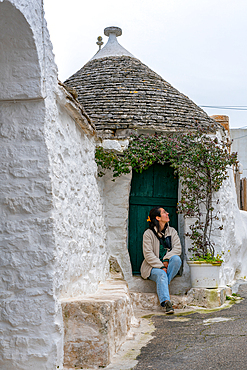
(201, 162)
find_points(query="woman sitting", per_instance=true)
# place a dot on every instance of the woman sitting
(161, 250)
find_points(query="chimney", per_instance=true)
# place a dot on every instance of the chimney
(223, 120)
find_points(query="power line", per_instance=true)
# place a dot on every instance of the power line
(238, 128)
(240, 137)
(232, 107)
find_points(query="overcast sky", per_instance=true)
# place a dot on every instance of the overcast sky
(198, 46)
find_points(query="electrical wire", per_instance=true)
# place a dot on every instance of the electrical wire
(240, 137)
(232, 107)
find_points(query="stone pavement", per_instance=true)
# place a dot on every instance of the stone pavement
(197, 341)
(189, 340)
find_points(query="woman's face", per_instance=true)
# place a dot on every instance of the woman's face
(164, 216)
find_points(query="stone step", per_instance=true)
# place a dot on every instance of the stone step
(200, 297)
(97, 325)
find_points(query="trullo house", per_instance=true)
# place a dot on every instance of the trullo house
(60, 224)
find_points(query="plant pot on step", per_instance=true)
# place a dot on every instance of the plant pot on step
(204, 274)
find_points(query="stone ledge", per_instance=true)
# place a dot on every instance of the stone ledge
(200, 297)
(96, 326)
(208, 298)
(178, 286)
(150, 301)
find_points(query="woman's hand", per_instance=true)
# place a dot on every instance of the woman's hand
(165, 263)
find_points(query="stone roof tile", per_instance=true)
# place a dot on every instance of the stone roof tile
(120, 92)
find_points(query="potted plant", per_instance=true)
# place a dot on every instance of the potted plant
(204, 169)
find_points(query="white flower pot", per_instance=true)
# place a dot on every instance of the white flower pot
(204, 275)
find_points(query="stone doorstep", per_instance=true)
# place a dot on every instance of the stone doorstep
(200, 297)
(96, 326)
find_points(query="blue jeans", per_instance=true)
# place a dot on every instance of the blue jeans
(163, 279)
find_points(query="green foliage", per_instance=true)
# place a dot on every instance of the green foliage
(201, 162)
(208, 258)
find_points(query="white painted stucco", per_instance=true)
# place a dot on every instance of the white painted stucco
(231, 241)
(112, 47)
(51, 215)
(30, 336)
(115, 195)
(79, 231)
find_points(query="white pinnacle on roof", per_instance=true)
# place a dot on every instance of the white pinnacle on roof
(112, 48)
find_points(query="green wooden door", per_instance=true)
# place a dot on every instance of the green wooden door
(157, 186)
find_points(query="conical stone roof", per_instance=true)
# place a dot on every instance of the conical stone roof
(120, 93)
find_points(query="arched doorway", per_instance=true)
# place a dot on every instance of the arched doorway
(157, 186)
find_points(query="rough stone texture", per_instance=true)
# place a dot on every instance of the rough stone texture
(78, 212)
(201, 297)
(20, 69)
(28, 307)
(31, 327)
(232, 240)
(51, 217)
(177, 285)
(97, 325)
(122, 93)
(116, 208)
(208, 298)
(150, 301)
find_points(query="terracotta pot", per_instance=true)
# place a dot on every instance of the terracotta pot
(204, 275)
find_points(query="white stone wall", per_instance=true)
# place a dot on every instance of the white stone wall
(30, 337)
(81, 258)
(115, 195)
(231, 241)
(27, 329)
(52, 234)
(22, 69)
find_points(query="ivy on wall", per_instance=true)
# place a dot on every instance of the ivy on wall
(201, 162)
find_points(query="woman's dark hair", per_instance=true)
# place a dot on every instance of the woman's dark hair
(153, 221)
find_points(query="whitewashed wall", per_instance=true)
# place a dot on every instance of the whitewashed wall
(52, 235)
(28, 308)
(231, 241)
(81, 258)
(115, 195)
(29, 334)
